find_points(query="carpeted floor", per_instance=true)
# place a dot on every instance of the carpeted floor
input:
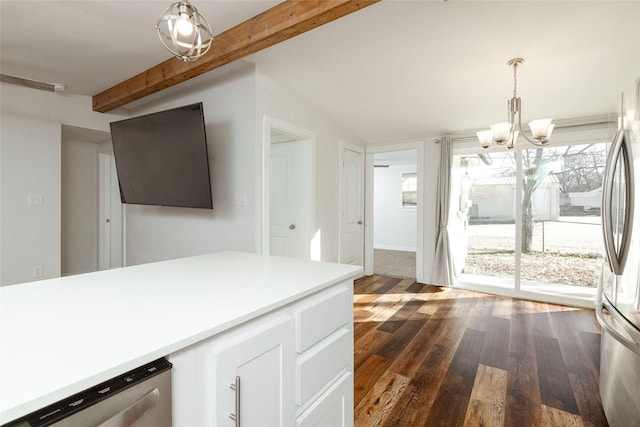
(399, 264)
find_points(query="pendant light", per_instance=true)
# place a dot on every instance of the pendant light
(184, 31)
(505, 133)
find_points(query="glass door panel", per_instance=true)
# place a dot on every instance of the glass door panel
(561, 216)
(482, 217)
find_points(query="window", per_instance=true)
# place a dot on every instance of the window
(409, 190)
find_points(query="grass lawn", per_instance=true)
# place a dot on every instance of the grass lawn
(572, 251)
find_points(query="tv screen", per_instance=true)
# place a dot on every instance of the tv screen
(161, 158)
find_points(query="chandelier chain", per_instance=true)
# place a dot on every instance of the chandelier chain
(515, 79)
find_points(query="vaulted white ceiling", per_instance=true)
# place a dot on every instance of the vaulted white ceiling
(393, 71)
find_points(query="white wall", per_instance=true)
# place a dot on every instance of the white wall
(158, 233)
(395, 225)
(234, 105)
(281, 102)
(30, 165)
(30, 156)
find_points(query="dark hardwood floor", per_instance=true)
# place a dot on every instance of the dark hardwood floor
(432, 356)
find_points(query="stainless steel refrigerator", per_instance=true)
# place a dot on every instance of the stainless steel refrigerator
(618, 303)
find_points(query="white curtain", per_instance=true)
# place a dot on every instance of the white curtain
(443, 264)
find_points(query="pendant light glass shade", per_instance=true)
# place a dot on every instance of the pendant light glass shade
(184, 32)
(541, 129)
(485, 137)
(501, 132)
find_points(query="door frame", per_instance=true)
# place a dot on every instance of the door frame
(370, 151)
(341, 229)
(300, 134)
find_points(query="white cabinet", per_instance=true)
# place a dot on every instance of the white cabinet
(253, 380)
(294, 366)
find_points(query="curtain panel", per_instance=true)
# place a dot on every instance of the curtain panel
(443, 264)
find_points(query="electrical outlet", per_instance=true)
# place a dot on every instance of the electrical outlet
(37, 271)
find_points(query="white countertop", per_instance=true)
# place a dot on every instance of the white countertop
(61, 336)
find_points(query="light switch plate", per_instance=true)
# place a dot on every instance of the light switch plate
(241, 199)
(35, 199)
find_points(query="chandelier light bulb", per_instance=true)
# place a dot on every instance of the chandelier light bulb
(184, 25)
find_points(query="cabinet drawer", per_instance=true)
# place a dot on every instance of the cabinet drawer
(319, 366)
(334, 408)
(321, 316)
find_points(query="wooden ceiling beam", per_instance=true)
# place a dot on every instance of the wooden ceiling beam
(283, 21)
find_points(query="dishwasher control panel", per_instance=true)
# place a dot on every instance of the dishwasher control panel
(131, 396)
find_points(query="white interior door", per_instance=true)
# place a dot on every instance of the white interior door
(110, 215)
(290, 199)
(352, 207)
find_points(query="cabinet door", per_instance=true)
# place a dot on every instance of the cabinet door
(261, 364)
(334, 408)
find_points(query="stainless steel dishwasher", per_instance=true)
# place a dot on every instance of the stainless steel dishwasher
(138, 398)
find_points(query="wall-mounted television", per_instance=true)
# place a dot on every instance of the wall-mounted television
(161, 158)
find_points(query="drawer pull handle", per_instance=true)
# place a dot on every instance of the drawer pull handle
(236, 387)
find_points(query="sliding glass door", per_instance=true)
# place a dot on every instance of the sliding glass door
(529, 219)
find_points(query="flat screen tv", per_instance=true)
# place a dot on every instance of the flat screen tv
(161, 158)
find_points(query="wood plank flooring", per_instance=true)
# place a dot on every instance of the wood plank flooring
(432, 356)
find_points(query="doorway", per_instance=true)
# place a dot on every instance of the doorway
(89, 199)
(394, 232)
(287, 222)
(351, 204)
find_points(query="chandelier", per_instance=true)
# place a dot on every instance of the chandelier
(505, 133)
(183, 31)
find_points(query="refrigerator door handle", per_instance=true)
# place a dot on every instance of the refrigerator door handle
(606, 325)
(620, 149)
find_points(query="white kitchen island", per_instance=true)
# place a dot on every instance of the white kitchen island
(61, 336)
